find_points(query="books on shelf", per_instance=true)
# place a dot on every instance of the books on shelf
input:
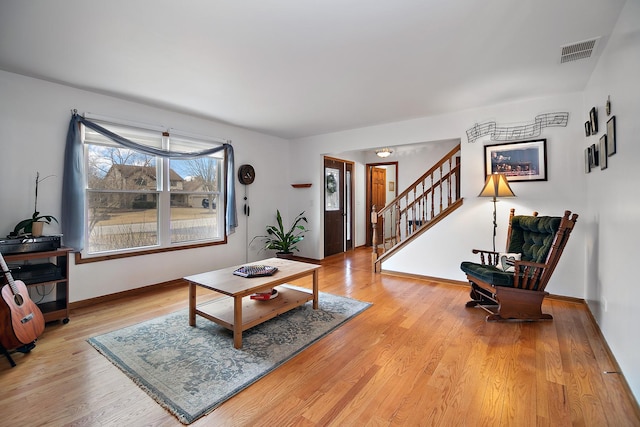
(265, 296)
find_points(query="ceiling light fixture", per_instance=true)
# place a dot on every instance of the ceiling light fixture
(384, 152)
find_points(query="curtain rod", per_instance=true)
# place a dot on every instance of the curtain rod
(156, 128)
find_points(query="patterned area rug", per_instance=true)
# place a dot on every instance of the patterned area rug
(191, 370)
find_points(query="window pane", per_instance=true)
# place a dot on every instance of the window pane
(202, 174)
(119, 220)
(117, 168)
(194, 203)
(332, 189)
(194, 217)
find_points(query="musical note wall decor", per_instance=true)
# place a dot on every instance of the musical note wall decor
(511, 133)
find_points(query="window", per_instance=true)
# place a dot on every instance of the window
(136, 201)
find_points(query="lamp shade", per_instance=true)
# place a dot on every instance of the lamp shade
(496, 185)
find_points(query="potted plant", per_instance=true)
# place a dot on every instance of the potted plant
(34, 224)
(284, 242)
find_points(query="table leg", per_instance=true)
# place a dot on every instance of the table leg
(315, 289)
(192, 304)
(237, 322)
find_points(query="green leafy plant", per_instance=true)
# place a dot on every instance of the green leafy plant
(284, 241)
(26, 225)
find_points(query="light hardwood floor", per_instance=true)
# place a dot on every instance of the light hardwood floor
(416, 357)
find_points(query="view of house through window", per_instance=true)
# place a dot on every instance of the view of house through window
(138, 201)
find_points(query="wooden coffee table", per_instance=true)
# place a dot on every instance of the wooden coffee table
(236, 311)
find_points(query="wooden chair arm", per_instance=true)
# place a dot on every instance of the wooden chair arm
(492, 257)
(527, 274)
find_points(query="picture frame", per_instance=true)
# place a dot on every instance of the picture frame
(611, 136)
(519, 161)
(587, 128)
(587, 160)
(392, 186)
(595, 161)
(603, 152)
(593, 117)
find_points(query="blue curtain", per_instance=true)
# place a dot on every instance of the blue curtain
(73, 219)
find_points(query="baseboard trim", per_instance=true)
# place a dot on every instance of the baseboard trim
(118, 295)
(424, 278)
(466, 284)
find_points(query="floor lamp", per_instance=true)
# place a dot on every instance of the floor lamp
(495, 186)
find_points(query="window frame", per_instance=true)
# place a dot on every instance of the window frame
(164, 194)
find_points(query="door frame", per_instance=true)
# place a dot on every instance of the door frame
(351, 202)
(367, 215)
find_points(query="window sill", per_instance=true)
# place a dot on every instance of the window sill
(80, 260)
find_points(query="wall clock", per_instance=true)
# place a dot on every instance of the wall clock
(246, 174)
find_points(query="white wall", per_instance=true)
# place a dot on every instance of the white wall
(439, 252)
(34, 117)
(612, 195)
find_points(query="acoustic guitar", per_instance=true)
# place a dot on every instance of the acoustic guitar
(21, 321)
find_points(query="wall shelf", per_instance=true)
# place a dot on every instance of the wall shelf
(301, 185)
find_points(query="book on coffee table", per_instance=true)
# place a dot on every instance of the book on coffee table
(265, 296)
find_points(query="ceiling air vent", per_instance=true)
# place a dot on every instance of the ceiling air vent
(580, 50)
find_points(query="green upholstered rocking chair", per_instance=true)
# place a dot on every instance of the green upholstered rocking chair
(512, 289)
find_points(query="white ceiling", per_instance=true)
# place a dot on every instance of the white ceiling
(295, 68)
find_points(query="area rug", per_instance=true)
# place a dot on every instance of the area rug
(192, 370)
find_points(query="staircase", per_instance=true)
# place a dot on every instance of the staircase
(423, 204)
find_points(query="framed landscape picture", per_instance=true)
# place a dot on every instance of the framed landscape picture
(519, 161)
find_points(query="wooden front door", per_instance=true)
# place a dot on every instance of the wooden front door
(334, 206)
(378, 195)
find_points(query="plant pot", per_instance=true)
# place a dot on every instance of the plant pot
(284, 255)
(36, 228)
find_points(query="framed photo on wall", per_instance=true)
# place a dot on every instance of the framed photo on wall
(593, 116)
(603, 152)
(595, 160)
(587, 160)
(611, 136)
(519, 161)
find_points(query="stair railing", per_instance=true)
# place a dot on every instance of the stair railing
(422, 202)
